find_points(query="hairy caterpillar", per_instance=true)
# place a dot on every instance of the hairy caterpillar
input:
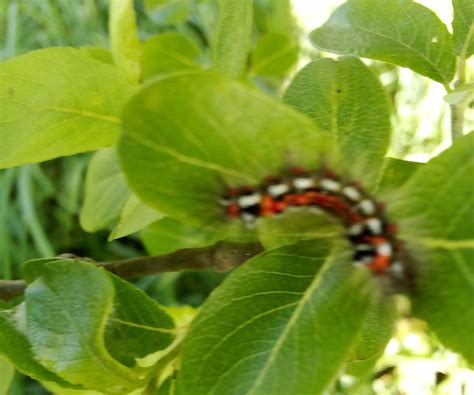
(372, 236)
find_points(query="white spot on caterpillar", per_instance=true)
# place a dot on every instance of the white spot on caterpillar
(396, 269)
(366, 207)
(303, 183)
(351, 193)
(374, 225)
(249, 219)
(330, 185)
(278, 189)
(249, 200)
(384, 249)
(356, 230)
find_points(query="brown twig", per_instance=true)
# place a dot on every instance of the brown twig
(221, 257)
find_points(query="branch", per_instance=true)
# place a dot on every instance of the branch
(221, 257)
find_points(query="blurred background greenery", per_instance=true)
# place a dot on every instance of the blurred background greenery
(39, 204)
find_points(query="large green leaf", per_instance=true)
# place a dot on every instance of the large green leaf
(396, 31)
(106, 191)
(283, 323)
(56, 102)
(184, 135)
(137, 326)
(67, 310)
(125, 43)
(134, 217)
(345, 98)
(435, 212)
(6, 375)
(169, 53)
(463, 27)
(15, 346)
(231, 41)
(275, 16)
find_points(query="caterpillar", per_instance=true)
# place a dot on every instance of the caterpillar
(369, 231)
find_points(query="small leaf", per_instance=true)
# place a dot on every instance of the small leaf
(437, 224)
(283, 323)
(168, 235)
(57, 102)
(15, 346)
(463, 93)
(401, 32)
(274, 55)
(134, 217)
(137, 326)
(106, 191)
(7, 372)
(168, 53)
(463, 27)
(167, 12)
(67, 309)
(212, 128)
(125, 43)
(231, 41)
(346, 99)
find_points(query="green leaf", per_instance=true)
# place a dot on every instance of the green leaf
(56, 102)
(283, 323)
(346, 99)
(134, 217)
(231, 41)
(167, 12)
(68, 306)
(394, 174)
(463, 27)
(6, 375)
(106, 191)
(274, 55)
(125, 43)
(169, 53)
(437, 224)
(137, 326)
(168, 235)
(15, 346)
(211, 128)
(401, 32)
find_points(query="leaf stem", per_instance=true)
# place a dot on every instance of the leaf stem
(222, 256)
(458, 109)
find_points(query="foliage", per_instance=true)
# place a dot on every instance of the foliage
(179, 115)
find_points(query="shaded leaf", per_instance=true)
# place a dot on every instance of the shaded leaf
(231, 41)
(437, 224)
(134, 217)
(137, 326)
(274, 55)
(463, 27)
(125, 43)
(167, 12)
(394, 174)
(168, 53)
(56, 102)
(106, 191)
(401, 32)
(283, 323)
(346, 99)
(168, 235)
